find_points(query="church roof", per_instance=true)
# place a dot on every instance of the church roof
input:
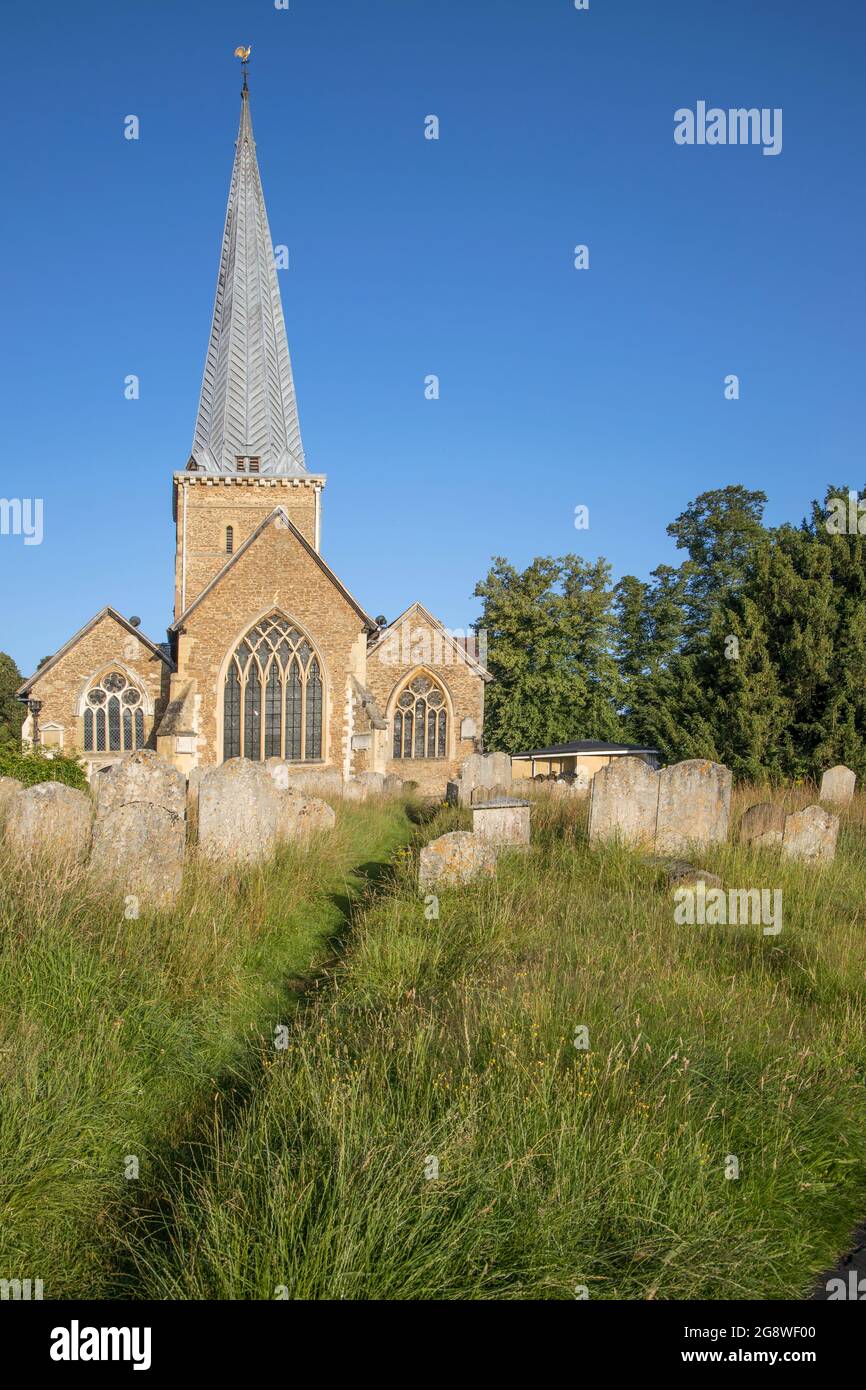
(247, 407)
(459, 645)
(158, 648)
(279, 514)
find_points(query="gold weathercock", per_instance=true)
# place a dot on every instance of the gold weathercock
(243, 54)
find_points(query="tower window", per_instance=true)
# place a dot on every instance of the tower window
(254, 465)
(230, 539)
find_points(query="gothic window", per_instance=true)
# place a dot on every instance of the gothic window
(273, 696)
(113, 716)
(421, 721)
(230, 539)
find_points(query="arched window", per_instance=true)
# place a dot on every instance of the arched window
(230, 539)
(272, 697)
(421, 721)
(113, 716)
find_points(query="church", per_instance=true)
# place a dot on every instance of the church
(269, 653)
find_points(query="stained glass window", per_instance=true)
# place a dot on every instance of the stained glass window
(421, 721)
(113, 716)
(276, 664)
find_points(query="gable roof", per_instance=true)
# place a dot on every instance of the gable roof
(106, 612)
(457, 644)
(279, 513)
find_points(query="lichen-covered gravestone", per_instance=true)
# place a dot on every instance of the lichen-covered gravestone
(8, 787)
(50, 821)
(694, 805)
(454, 859)
(762, 825)
(837, 785)
(811, 835)
(310, 781)
(239, 808)
(139, 829)
(624, 802)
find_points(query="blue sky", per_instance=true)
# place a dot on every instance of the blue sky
(559, 387)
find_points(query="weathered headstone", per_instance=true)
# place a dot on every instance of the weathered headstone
(811, 835)
(311, 781)
(139, 828)
(8, 787)
(302, 816)
(694, 805)
(624, 802)
(49, 820)
(365, 785)
(393, 785)
(479, 770)
(837, 785)
(454, 859)
(762, 825)
(239, 809)
(502, 821)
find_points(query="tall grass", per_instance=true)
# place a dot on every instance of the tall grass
(118, 1038)
(559, 1169)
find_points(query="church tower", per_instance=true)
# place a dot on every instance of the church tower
(247, 454)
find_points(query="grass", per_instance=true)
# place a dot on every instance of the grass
(303, 1172)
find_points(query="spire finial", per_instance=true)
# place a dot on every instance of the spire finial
(244, 55)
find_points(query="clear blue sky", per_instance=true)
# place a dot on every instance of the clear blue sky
(410, 257)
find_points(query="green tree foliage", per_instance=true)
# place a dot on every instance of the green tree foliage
(12, 711)
(751, 652)
(550, 639)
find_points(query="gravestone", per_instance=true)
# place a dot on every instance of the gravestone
(139, 828)
(837, 785)
(312, 781)
(694, 805)
(49, 820)
(502, 821)
(624, 802)
(811, 835)
(762, 825)
(302, 816)
(479, 770)
(455, 859)
(8, 787)
(239, 806)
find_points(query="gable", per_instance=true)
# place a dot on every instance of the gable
(416, 637)
(275, 542)
(107, 636)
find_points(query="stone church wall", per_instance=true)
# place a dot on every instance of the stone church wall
(61, 688)
(275, 573)
(388, 669)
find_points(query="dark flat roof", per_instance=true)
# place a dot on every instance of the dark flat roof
(583, 745)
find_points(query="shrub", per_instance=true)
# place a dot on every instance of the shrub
(31, 765)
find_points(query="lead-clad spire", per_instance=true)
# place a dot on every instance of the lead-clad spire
(247, 407)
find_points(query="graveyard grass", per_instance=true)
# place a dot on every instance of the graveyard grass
(302, 1172)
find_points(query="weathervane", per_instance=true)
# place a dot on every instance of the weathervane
(244, 55)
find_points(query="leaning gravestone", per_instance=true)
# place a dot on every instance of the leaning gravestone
(694, 805)
(624, 802)
(49, 820)
(811, 835)
(238, 812)
(454, 859)
(837, 785)
(139, 829)
(762, 825)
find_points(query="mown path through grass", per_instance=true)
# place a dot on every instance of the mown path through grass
(123, 1043)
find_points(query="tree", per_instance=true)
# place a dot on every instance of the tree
(12, 711)
(549, 646)
(720, 530)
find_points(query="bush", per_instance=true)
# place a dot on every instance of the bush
(31, 765)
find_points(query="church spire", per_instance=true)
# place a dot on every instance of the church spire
(247, 407)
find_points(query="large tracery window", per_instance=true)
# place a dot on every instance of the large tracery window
(113, 716)
(421, 721)
(272, 699)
